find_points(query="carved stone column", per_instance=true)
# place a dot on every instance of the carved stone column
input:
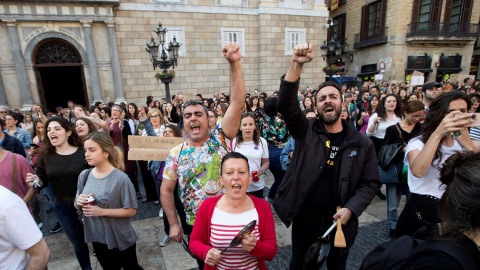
(92, 62)
(19, 62)
(3, 94)
(117, 73)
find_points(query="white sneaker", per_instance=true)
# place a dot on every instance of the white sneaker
(165, 241)
(160, 214)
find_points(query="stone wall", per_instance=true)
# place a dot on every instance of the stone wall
(204, 69)
(395, 52)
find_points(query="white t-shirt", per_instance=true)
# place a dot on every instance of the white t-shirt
(430, 183)
(381, 127)
(254, 154)
(18, 231)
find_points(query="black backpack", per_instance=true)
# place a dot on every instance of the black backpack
(397, 253)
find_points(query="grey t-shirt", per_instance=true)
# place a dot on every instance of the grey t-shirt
(112, 191)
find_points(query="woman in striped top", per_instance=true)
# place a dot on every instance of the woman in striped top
(220, 218)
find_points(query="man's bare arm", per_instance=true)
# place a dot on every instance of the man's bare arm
(39, 255)
(168, 205)
(231, 121)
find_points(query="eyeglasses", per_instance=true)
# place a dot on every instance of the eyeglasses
(154, 116)
(3, 111)
(9, 119)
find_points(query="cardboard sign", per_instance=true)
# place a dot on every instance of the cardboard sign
(417, 74)
(378, 77)
(454, 78)
(417, 80)
(151, 147)
(461, 78)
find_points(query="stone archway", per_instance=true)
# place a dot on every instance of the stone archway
(59, 73)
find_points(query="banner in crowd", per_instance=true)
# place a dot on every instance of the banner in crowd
(151, 147)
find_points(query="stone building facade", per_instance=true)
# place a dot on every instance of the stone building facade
(94, 50)
(396, 37)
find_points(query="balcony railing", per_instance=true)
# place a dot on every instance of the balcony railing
(428, 29)
(371, 37)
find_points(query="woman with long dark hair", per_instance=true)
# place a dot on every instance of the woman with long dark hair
(459, 208)
(426, 154)
(389, 112)
(170, 114)
(308, 103)
(84, 126)
(372, 105)
(400, 134)
(249, 143)
(108, 220)
(60, 162)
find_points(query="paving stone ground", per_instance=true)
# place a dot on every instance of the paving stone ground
(373, 231)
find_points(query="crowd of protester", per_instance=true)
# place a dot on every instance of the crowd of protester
(327, 146)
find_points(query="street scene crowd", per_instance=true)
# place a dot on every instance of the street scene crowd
(330, 148)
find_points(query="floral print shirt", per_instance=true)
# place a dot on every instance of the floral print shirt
(275, 130)
(197, 170)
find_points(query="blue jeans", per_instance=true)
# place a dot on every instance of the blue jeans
(276, 169)
(394, 193)
(51, 197)
(67, 216)
(158, 184)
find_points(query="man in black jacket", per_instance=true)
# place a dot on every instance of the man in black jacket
(333, 165)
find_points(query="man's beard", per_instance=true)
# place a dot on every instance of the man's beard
(330, 119)
(429, 97)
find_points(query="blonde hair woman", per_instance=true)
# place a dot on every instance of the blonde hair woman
(107, 223)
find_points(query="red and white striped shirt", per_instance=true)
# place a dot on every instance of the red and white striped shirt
(224, 227)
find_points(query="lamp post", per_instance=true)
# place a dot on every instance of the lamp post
(164, 64)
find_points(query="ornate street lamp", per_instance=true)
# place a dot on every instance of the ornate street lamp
(164, 64)
(324, 49)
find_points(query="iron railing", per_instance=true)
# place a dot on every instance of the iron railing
(443, 29)
(371, 37)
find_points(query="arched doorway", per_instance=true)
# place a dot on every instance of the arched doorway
(59, 73)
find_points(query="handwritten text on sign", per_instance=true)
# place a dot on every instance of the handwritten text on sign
(151, 147)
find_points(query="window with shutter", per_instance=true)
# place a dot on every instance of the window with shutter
(179, 34)
(294, 36)
(234, 36)
(373, 27)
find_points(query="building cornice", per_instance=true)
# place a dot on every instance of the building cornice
(221, 9)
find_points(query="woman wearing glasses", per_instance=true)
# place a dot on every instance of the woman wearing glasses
(249, 143)
(119, 131)
(158, 124)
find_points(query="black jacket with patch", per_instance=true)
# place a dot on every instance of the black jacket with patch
(356, 164)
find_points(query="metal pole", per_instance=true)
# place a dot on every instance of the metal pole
(167, 91)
